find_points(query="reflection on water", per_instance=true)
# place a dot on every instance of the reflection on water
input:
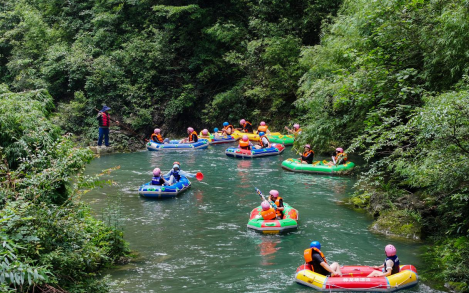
(199, 241)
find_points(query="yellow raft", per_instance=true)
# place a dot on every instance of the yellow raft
(251, 136)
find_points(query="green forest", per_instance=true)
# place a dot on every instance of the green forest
(387, 80)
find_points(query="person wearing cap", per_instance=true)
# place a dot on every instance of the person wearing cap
(295, 130)
(278, 201)
(390, 265)
(264, 142)
(308, 155)
(339, 158)
(228, 129)
(193, 137)
(157, 178)
(263, 127)
(157, 137)
(244, 143)
(268, 212)
(104, 121)
(315, 258)
(175, 174)
(205, 134)
(247, 126)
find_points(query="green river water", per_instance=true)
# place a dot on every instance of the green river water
(198, 242)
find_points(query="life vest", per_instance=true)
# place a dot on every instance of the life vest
(262, 143)
(308, 255)
(395, 268)
(245, 125)
(277, 203)
(342, 156)
(269, 214)
(228, 126)
(262, 128)
(191, 136)
(106, 119)
(204, 136)
(157, 137)
(297, 131)
(243, 144)
(306, 154)
(176, 175)
(156, 180)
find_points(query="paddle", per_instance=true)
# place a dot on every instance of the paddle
(199, 176)
(263, 198)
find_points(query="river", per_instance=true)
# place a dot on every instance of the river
(199, 242)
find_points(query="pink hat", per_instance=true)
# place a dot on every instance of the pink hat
(205, 132)
(296, 125)
(339, 150)
(156, 171)
(190, 129)
(390, 250)
(242, 121)
(265, 205)
(307, 146)
(262, 123)
(274, 193)
(245, 137)
(157, 130)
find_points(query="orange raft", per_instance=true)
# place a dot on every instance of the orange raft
(354, 278)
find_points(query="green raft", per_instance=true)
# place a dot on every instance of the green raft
(283, 139)
(288, 223)
(318, 167)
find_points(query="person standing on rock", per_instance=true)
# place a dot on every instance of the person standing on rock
(104, 121)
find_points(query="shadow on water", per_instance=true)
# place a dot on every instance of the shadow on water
(199, 240)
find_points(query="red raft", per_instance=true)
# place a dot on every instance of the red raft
(354, 278)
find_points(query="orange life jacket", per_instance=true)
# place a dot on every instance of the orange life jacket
(344, 157)
(245, 125)
(190, 136)
(262, 143)
(243, 143)
(305, 154)
(157, 137)
(225, 129)
(297, 131)
(277, 203)
(269, 214)
(308, 255)
(262, 128)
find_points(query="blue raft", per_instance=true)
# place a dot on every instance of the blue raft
(175, 145)
(222, 139)
(162, 191)
(275, 149)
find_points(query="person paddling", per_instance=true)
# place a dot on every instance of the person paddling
(278, 201)
(104, 121)
(296, 129)
(175, 174)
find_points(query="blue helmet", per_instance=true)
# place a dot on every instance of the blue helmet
(226, 123)
(215, 129)
(315, 244)
(261, 133)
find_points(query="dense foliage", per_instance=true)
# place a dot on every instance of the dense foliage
(49, 241)
(161, 63)
(389, 80)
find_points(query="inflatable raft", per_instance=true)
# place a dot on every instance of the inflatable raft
(319, 167)
(222, 139)
(175, 145)
(161, 191)
(288, 223)
(283, 139)
(354, 279)
(275, 149)
(252, 136)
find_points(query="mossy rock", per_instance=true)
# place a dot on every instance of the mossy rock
(458, 287)
(397, 223)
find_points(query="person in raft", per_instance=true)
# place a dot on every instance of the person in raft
(157, 137)
(228, 129)
(263, 142)
(204, 134)
(247, 126)
(244, 143)
(104, 121)
(316, 259)
(339, 158)
(263, 128)
(175, 174)
(295, 130)
(390, 265)
(216, 133)
(157, 178)
(278, 201)
(308, 155)
(268, 212)
(193, 137)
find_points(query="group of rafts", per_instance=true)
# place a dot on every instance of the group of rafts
(354, 278)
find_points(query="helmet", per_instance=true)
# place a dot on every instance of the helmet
(205, 131)
(296, 125)
(215, 129)
(307, 146)
(274, 193)
(315, 244)
(226, 123)
(175, 166)
(390, 250)
(261, 133)
(339, 149)
(190, 129)
(242, 121)
(156, 171)
(265, 205)
(245, 137)
(262, 123)
(157, 130)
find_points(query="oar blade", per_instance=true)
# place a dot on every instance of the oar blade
(199, 176)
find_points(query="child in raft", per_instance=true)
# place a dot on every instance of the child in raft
(157, 178)
(193, 137)
(175, 174)
(204, 134)
(247, 126)
(263, 142)
(390, 265)
(244, 143)
(308, 155)
(157, 137)
(228, 129)
(339, 158)
(295, 130)
(263, 128)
